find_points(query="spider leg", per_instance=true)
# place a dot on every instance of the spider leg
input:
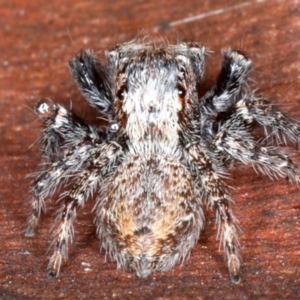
(219, 199)
(231, 81)
(47, 181)
(62, 126)
(254, 108)
(100, 163)
(91, 80)
(236, 142)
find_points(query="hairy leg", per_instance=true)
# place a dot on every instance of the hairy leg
(219, 199)
(231, 81)
(254, 108)
(91, 80)
(217, 105)
(100, 164)
(48, 180)
(62, 128)
(236, 142)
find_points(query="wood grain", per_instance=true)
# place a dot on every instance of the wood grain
(37, 39)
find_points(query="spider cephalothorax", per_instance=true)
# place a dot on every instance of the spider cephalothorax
(162, 154)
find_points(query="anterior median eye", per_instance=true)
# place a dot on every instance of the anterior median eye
(181, 90)
(122, 92)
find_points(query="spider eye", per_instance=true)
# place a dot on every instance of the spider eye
(181, 90)
(121, 93)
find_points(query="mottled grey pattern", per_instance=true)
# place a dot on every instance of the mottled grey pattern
(163, 153)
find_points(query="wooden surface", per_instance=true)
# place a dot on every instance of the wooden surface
(37, 39)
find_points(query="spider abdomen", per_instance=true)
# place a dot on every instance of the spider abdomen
(149, 216)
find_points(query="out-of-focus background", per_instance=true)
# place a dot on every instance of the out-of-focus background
(37, 38)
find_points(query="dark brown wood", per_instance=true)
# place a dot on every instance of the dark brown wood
(37, 40)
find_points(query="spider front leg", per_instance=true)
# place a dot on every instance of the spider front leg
(62, 128)
(100, 163)
(231, 81)
(92, 80)
(219, 200)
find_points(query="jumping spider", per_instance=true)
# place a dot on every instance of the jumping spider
(163, 152)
